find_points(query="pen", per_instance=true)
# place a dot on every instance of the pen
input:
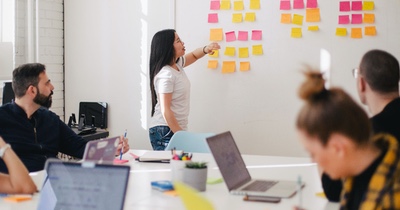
(120, 153)
(299, 191)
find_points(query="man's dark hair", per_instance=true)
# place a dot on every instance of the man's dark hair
(26, 75)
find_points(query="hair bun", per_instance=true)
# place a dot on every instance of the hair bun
(313, 86)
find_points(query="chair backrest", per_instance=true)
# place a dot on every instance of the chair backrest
(8, 93)
(189, 142)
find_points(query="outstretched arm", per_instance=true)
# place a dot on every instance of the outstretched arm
(200, 52)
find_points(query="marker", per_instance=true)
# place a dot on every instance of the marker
(120, 153)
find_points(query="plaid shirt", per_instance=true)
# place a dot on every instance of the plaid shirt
(384, 187)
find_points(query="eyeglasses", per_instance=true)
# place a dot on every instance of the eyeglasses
(355, 72)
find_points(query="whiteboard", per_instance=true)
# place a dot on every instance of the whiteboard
(260, 106)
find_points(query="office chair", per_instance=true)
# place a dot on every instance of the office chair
(189, 142)
(8, 93)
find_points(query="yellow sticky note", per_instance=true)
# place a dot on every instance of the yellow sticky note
(243, 52)
(370, 30)
(216, 34)
(225, 5)
(341, 32)
(356, 33)
(228, 67)
(298, 19)
(229, 51)
(212, 64)
(244, 66)
(368, 5)
(296, 33)
(250, 17)
(286, 18)
(237, 18)
(257, 49)
(238, 5)
(313, 15)
(215, 54)
(313, 28)
(191, 198)
(254, 4)
(369, 18)
(320, 194)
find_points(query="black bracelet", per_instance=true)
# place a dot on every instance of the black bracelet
(203, 49)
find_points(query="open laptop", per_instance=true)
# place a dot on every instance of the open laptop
(83, 186)
(236, 175)
(101, 151)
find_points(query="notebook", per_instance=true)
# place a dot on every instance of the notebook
(156, 156)
(101, 150)
(83, 186)
(236, 175)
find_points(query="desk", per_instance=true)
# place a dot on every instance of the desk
(140, 195)
(99, 134)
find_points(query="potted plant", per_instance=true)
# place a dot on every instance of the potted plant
(195, 175)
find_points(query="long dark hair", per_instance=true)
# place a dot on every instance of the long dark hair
(162, 53)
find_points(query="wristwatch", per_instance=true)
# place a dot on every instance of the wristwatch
(3, 150)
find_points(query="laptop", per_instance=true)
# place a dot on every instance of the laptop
(236, 175)
(83, 186)
(101, 151)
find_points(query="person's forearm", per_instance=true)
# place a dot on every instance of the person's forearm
(171, 121)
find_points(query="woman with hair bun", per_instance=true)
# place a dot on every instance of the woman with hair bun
(336, 132)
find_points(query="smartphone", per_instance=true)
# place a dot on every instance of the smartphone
(261, 198)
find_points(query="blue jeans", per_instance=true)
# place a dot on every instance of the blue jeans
(160, 136)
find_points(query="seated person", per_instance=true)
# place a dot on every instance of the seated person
(18, 179)
(34, 132)
(336, 133)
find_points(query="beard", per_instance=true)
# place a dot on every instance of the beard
(43, 100)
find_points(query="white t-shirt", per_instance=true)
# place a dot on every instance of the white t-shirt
(169, 80)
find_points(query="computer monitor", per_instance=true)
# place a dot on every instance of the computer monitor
(96, 109)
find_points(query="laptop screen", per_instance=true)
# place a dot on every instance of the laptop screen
(83, 186)
(229, 160)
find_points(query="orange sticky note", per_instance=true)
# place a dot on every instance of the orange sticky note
(212, 64)
(228, 67)
(171, 193)
(313, 15)
(370, 30)
(18, 198)
(356, 33)
(216, 34)
(369, 18)
(286, 18)
(244, 66)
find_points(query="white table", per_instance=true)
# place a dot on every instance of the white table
(140, 195)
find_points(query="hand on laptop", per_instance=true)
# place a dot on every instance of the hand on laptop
(123, 145)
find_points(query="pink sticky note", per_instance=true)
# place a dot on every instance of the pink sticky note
(312, 4)
(356, 5)
(344, 19)
(118, 161)
(356, 18)
(230, 36)
(285, 5)
(214, 5)
(213, 18)
(243, 36)
(344, 6)
(298, 4)
(256, 34)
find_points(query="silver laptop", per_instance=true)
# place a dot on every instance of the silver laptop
(83, 186)
(101, 151)
(236, 175)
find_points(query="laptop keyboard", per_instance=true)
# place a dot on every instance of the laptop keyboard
(260, 186)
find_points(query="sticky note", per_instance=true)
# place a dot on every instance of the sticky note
(297, 19)
(344, 19)
(313, 28)
(243, 35)
(225, 5)
(369, 18)
(344, 6)
(296, 33)
(356, 33)
(312, 4)
(356, 19)
(118, 161)
(298, 4)
(172, 193)
(256, 35)
(18, 198)
(237, 18)
(228, 67)
(320, 194)
(214, 5)
(341, 32)
(212, 64)
(285, 5)
(133, 155)
(215, 54)
(356, 5)
(191, 198)
(230, 36)
(254, 4)
(368, 5)
(250, 17)
(245, 66)
(243, 52)
(257, 49)
(370, 31)
(229, 51)
(216, 34)
(212, 180)
(286, 18)
(238, 5)
(213, 18)
(313, 15)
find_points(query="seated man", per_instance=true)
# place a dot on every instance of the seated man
(34, 132)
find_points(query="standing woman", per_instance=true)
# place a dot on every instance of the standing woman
(169, 85)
